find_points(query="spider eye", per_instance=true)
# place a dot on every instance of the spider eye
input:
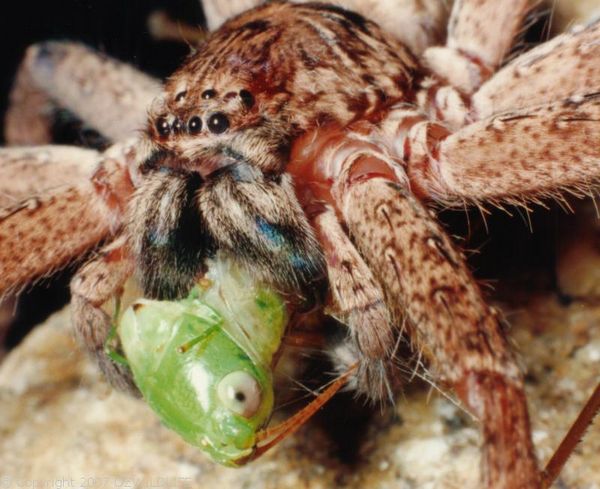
(177, 126)
(240, 393)
(195, 125)
(208, 94)
(162, 127)
(247, 98)
(218, 123)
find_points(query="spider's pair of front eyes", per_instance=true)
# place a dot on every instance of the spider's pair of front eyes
(216, 123)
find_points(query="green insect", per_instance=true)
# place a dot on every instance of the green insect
(204, 364)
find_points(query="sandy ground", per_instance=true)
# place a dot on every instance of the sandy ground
(60, 421)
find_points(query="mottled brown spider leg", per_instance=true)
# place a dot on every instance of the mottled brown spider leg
(217, 11)
(562, 68)
(28, 120)
(356, 293)
(426, 278)
(475, 46)
(360, 303)
(515, 157)
(459, 334)
(93, 287)
(27, 172)
(108, 95)
(417, 24)
(44, 233)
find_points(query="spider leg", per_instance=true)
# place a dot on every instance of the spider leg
(417, 25)
(42, 234)
(512, 157)
(359, 303)
(358, 296)
(108, 95)
(162, 27)
(563, 68)
(475, 46)
(28, 120)
(459, 334)
(572, 438)
(26, 172)
(217, 12)
(94, 285)
(426, 279)
(46, 231)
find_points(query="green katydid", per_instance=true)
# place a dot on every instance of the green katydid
(204, 364)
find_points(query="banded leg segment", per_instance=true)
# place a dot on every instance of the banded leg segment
(449, 321)
(44, 233)
(359, 303)
(475, 46)
(27, 172)
(217, 11)
(512, 157)
(108, 95)
(356, 293)
(94, 285)
(564, 68)
(426, 279)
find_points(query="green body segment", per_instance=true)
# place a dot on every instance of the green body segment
(180, 352)
(254, 315)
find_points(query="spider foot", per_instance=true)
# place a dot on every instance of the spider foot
(91, 324)
(118, 376)
(375, 379)
(94, 288)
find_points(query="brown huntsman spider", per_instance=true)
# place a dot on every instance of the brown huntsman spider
(312, 145)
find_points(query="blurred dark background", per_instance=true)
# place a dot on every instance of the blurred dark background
(506, 250)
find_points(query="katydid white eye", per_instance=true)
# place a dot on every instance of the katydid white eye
(239, 392)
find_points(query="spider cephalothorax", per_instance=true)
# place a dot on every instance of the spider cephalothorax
(230, 115)
(276, 72)
(306, 142)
